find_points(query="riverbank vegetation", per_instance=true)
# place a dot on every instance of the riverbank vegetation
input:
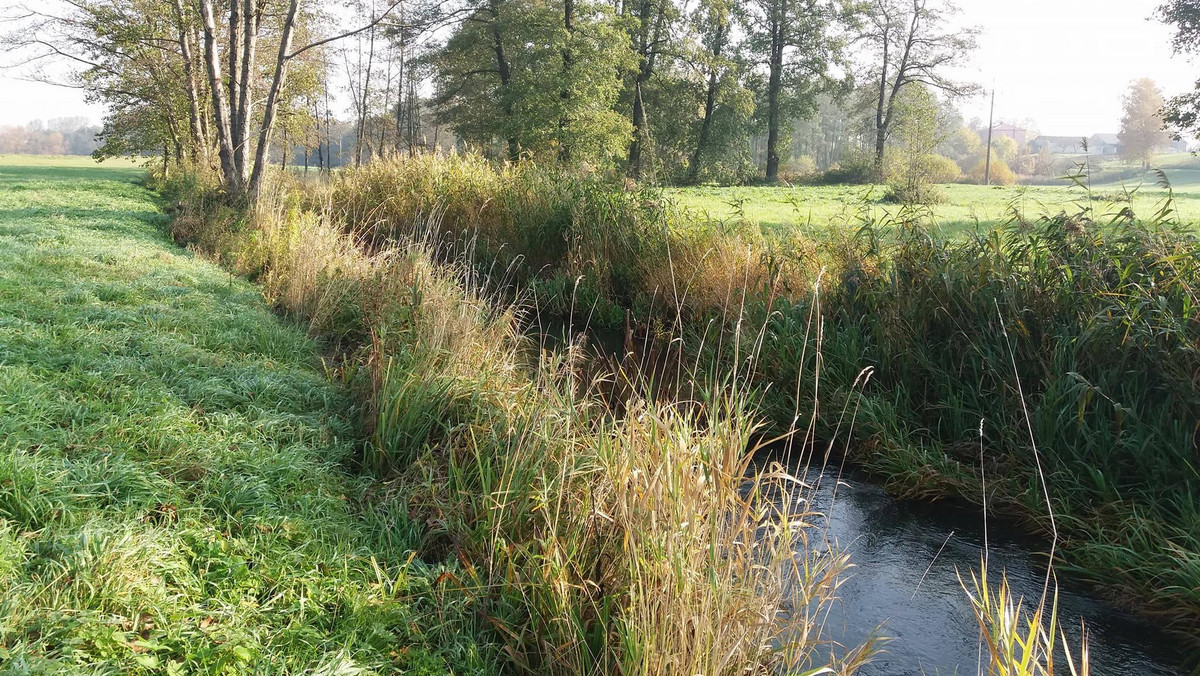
(1054, 347)
(429, 503)
(478, 504)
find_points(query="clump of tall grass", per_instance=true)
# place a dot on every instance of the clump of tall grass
(1021, 641)
(590, 542)
(562, 235)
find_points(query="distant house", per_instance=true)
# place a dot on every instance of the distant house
(1178, 146)
(1104, 144)
(1018, 134)
(1058, 145)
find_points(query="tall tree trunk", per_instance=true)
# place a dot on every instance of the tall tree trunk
(234, 54)
(414, 114)
(885, 109)
(568, 58)
(641, 44)
(366, 94)
(514, 148)
(233, 183)
(328, 140)
(251, 16)
(400, 101)
(648, 49)
(272, 104)
(774, 92)
(710, 102)
(639, 131)
(880, 127)
(387, 94)
(199, 142)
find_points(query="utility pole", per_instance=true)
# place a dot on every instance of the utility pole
(987, 167)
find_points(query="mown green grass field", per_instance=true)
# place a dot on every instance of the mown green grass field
(178, 491)
(966, 208)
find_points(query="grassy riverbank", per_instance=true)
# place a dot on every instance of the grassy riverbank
(1071, 339)
(175, 491)
(193, 483)
(596, 535)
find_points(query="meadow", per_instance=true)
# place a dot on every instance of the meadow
(964, 209)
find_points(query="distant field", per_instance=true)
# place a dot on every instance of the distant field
(60, 167)
(967, 207)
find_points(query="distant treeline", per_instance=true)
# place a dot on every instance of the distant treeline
(59, 136)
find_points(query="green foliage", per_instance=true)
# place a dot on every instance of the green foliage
(909, 164)
(1073, 332)
(941, 169)
(562, 85)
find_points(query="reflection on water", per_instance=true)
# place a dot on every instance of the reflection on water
(905, 556)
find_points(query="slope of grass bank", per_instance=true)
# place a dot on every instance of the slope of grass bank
(173, 491)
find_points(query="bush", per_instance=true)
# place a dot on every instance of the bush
(798, 168)
(913, 194)
(854, 169)
(941, 169)
(1025, 165)
(1001, 174)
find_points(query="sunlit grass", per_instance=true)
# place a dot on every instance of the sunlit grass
(174, 488)
(965, 208)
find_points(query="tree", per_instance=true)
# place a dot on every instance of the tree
(915, 45)
(728, 105)
(919, 129)
(124, 54)
(541, 77)
(649, 32)
(176, 77)
(797, 41)
(1182, 113)
(1142, 127)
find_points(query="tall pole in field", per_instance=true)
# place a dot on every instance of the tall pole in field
(987, 167)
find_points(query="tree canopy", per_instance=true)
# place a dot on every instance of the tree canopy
(661, 90)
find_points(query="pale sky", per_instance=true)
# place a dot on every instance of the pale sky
(1063, 63)
(1066, 63)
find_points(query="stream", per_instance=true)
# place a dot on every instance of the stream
(905, 556)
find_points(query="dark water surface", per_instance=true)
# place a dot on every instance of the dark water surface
(906, 554)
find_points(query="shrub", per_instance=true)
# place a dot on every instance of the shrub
(1001, 174)
(914, 194)
(855, 168)
(798, 169)
(941, 169)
